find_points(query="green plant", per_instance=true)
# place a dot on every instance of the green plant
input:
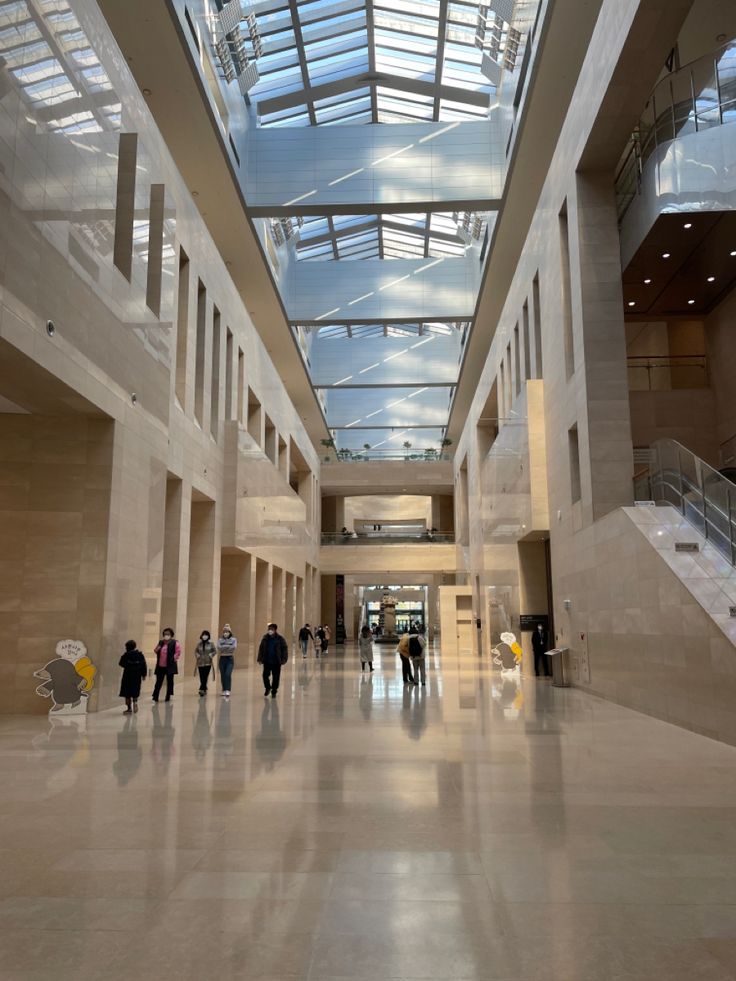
(446, 442)
(366, 446)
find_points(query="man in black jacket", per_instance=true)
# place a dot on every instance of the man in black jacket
(273, 651)
(540, 646)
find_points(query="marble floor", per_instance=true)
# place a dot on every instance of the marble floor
(357, 829)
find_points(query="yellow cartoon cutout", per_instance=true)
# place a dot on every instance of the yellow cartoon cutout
(507, 653)
(68, 679)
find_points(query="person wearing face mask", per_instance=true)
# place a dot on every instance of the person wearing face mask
(226, 649)
(273, 651)
(205, 654)
(168, 652)
(540, 647)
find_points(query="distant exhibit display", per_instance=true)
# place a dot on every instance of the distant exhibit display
(68, 679)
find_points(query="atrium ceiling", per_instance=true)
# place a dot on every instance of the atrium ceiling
(427, 71)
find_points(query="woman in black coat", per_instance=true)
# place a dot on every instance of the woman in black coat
(135, 670)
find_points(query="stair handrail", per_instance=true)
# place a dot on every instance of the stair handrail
(671, 483)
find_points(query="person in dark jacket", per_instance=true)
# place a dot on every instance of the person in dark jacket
(540, 647)
(273, 651)
(305, 635)
(168, 652)
(135, 670)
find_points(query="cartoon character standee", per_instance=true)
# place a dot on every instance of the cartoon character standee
(507, 653)
(67, 679)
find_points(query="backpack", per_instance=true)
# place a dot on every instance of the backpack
(415, 647)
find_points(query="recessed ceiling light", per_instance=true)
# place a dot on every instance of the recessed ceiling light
(665, 255)
(632, 303)
(711, 279)
(647, 282)
(688, 224)
(734, 252)
(690, 302)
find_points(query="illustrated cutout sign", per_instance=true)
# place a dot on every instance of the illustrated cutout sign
(67, 679)
(507, 654)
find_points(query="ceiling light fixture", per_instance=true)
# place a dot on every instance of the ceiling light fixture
(688, 224)
(665, 255)
(690, 302)
(711, 279)
(647, 282)
(632, 303)
(734, 252)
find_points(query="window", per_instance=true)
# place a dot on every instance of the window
(566, 286)
(538, 372)
(182, 329)
(122, 254)
(574, 450)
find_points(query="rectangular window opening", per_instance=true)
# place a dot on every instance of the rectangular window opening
(255, 418)
(574, 451)
(122, 254)
(525, 341)
(182, 329)
(517, 360)
(200, 351)
(566, 286)
(538, 368)
(155, 248)
(229, 411)
(215, 389)
(241, 387)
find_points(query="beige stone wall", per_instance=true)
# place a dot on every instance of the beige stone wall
(135, 469)
(607, 599)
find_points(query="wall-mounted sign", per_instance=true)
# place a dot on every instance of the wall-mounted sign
(339, 609)
(67, 679)
(529, 621)
(687, 547)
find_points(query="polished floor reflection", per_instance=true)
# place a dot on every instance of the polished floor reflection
(355, 828)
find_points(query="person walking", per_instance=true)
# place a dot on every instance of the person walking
(320, 640)
(365, 648)
(326, 634)
(417, 644)
(135, 670)
(403, 651)
(540, 646)
(205, 654)
(226, 647)
(273, 652)
(168, 652)
(305, 635)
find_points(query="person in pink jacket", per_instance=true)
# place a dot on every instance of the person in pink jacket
(167, 653)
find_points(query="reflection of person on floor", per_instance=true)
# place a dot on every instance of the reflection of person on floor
(224, 743)
(413, 712)
(130, 754)
(365, 698)
(162, 736)
(540, 646)
(270, 742)
(201, 733)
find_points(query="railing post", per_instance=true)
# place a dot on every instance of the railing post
(679, 476)
(702, 495)
(718, 91)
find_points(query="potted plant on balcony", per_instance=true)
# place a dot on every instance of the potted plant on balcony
(328, 444)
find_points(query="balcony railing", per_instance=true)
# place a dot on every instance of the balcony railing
(650, 373)
(388, 536)
(367, 455)
(697, 97)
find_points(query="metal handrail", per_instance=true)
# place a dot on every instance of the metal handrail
(384, 536)
(659, 362)
(703, 496)
(697, 96)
